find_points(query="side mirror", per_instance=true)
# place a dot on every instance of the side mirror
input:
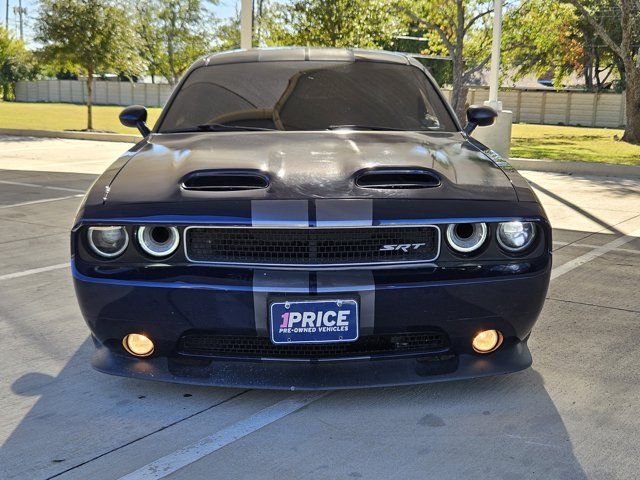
(135, 116)
(478, 116)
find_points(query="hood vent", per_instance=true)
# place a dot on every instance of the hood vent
(225, 180)
(395, 179)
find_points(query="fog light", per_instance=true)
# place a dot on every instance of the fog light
(138, 345)
(487, 341)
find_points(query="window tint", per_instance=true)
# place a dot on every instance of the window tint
(308, 96)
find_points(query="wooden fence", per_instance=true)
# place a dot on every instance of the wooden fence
(528, 106)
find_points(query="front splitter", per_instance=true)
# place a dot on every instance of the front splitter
(334, 375)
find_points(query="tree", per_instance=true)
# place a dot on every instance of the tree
(339, 23)
(16, 63)
(227, 35)
(542, 37)
(172, 34)
(147, 34)
(459, 29)
(625, 48)
(88, 37)
(598, 57)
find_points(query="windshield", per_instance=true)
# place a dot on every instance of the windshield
(307, 95)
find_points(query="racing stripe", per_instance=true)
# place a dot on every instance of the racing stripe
(348, 213)
(277, 213)
(275, 282)
(345, 282)
(344, 213)
(283, 213)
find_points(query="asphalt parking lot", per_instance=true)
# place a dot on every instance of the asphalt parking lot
(575, 414)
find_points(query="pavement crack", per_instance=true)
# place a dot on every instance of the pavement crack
(222, 402)
(586, 304)
(36, 237)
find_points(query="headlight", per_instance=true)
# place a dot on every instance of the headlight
(158, 241)
(516, 236)
(108, 242)
(466, 237)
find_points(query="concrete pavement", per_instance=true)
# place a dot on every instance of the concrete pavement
(573, 415)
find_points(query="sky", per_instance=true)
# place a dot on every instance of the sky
(225, 9)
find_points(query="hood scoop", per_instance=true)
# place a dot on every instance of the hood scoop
(397, 178)
(225, 180)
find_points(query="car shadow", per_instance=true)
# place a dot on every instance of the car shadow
(79, 415)
(501, 427)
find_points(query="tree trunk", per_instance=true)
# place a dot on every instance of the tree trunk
(170, 47)
(621, 70)
(172, 67)
(588, 62)
(89, 98)
(632, 130)
(459, 92)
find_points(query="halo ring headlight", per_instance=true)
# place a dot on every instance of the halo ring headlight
(158, 241)
(466, 237)
(108, 241)
(516, 236)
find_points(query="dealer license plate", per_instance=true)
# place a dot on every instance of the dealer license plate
(314, 321)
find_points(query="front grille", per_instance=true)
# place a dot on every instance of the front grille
(261, 347)
(312, 246)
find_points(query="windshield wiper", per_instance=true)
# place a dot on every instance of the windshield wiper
(363, 127)
(220, 127)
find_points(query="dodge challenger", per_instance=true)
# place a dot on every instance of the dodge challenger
(307, 218)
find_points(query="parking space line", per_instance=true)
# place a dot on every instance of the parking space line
(24, 273)
(47, 187)
(44, 200)
(173, 462)
(147, 435)
(586, 245)
(593, 254)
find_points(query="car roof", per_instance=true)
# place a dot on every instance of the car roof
(306, 53)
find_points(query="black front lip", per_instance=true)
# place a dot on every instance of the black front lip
(317, 376)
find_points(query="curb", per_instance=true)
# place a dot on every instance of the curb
(576, 168)
(97, 136)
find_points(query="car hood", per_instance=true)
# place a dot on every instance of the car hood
(308, 165)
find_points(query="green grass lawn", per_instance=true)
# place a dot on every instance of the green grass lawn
(64, 116)
(529, 141)
(572, 143)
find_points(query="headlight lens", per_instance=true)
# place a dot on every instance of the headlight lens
(108, 242)
(158, 241)
(516, 236)
(466, 237)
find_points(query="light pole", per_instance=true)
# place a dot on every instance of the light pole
(246, 24)
(494, 75)
(497, 136)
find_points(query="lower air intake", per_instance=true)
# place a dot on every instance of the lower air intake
(261, 347)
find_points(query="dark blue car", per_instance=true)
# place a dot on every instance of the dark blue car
(310, 219)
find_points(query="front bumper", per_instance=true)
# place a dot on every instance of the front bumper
(171, 303)
(316, 375)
